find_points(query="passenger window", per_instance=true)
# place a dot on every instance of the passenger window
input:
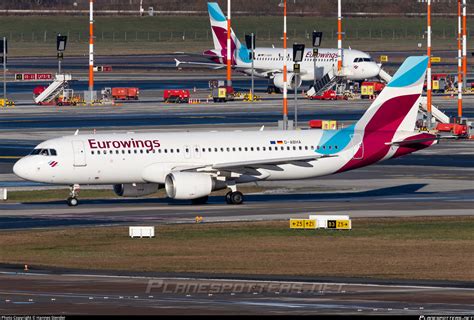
(98, 152)
(105, 151)
(233, 149)
(129, 151)
(92, 152)
(288, 148)
(222, 149)
(251, 148)
(171, 150)
(246, 149)
(228, 149)
(240, 148)
(306, 147)
(166, 150)
(209, 149)
(123, 151)
(301, 148)
(258, 148)
(116, 151)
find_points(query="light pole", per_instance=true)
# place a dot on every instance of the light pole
(91, 50)
(4, 58)
(229, 53)
(298, 52)
(61, 42)
(285, 70)
(250, 42)
(428, 72)
(317, 37)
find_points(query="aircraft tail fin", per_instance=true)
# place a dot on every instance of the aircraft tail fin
(219, 35)
(396, 108)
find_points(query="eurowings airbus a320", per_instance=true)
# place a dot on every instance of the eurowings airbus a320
(268, 62)
(191, 165)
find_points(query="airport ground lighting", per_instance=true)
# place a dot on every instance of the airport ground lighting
(250, 42)
(317, 38)
(61, 42)
(298, 53)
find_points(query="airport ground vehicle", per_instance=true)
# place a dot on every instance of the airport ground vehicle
(190, 165)
(222, 94)
(458, 127)
(326, 95)
(125, 93)
(176, 96)
(6, 103)
(370, 89)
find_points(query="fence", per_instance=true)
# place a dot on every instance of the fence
(263, 35)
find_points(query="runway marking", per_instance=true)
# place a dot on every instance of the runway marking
(10, 157)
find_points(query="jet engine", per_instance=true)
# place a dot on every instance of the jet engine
(135, 189)
(191, 185)
(291, 81)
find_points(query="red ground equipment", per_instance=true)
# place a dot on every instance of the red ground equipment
(176, 96)
(458, 127)
(326, 95)
(125, 93)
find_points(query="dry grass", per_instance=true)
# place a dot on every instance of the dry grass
(404, 248)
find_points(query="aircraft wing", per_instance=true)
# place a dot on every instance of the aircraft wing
(200, 55)
(239, 165)
(258, 163)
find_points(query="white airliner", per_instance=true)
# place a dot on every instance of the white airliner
(190, 165)
(268, 62)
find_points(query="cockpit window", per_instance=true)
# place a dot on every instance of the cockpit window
(44, 152)
(362, 60)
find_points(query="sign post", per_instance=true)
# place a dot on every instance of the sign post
(298, 52)
(250, 42)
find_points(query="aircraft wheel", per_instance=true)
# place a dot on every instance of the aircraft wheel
(72, 202)
(228, 199)
(237, 197)
(202, 200)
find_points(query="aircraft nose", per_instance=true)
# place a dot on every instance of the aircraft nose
(22, 170)
(374, 69)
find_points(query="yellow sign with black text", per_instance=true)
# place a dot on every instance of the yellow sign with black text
(339, 224)
(302, 224)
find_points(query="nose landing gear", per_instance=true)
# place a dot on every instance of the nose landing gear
(74, 192)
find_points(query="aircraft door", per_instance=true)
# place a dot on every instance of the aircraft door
(357, 144)
(79, 154)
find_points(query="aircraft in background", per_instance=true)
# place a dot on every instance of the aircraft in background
(268, 62)
(190, 165)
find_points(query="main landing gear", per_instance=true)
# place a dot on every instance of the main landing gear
(234, 196)
(74, 191)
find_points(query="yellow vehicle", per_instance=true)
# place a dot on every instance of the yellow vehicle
(6, 103)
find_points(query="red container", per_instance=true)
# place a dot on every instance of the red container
(459, 130)
(316, 124)
(125, 93)
(444, 127)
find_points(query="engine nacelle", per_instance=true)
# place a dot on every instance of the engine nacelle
(135, 189)
(291, 81)
(190, 185)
